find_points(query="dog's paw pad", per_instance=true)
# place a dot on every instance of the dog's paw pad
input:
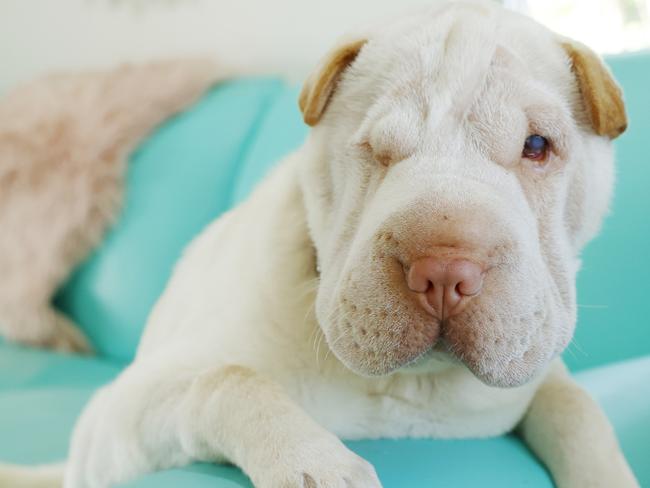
(318, 466)
(361, 475)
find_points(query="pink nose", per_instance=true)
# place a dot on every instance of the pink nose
(444, 285)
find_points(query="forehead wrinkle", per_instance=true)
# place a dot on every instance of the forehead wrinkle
(508, 59)
(438, 63)
(467, 53)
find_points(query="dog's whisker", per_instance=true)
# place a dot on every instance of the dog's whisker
(570, 350)
(313, 337)
(308, 287)
(334, 342)
(321, 336)
(574, 343)
(309, 312)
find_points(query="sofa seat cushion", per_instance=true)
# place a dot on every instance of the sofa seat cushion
(41, 395)
(498, 462)
(23, 368)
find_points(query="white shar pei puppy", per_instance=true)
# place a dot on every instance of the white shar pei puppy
(408, 272)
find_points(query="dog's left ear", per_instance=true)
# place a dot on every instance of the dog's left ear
(319, 87)
(601, 96)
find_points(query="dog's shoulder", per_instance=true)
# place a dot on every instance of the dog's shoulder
(243, 272)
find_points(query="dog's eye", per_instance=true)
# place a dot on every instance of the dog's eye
(536, 148)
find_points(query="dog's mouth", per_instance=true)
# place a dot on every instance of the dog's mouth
(381, 329)
(439, 345)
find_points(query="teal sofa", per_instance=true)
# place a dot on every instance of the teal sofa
(204, 161)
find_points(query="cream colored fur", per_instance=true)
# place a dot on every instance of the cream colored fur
(253, 356)
(64, 140)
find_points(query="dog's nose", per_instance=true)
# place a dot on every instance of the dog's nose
(444, 285)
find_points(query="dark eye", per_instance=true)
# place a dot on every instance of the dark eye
(536, 148)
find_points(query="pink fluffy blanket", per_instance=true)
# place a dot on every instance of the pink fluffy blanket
(64, 146)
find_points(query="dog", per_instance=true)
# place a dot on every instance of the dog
(408, 272)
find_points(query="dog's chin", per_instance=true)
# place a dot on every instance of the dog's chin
(504, 379)
(423, 361)
(501, 371)
(439, 357)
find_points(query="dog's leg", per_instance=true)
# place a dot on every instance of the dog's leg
(169, 414)
(569, 432)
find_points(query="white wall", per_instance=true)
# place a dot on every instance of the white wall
(283, 36)
(273, 36)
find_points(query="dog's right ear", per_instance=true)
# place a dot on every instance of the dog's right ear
(319, 87)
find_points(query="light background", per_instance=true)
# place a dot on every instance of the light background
(267, 36)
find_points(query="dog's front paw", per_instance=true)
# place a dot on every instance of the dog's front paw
(325, 463)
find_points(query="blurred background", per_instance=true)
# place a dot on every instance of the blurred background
(272, 37)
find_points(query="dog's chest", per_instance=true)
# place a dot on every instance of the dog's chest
(443, 405)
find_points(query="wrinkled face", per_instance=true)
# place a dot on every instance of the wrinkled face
(449, 185)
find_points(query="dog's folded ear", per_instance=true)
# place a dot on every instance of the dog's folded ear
(319, 87)
(601, 96)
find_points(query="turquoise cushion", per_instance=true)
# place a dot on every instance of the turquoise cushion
(192, 170)
(42, 393)
(22, 367)
(41, 396)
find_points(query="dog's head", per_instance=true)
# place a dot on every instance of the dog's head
(459, 160)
